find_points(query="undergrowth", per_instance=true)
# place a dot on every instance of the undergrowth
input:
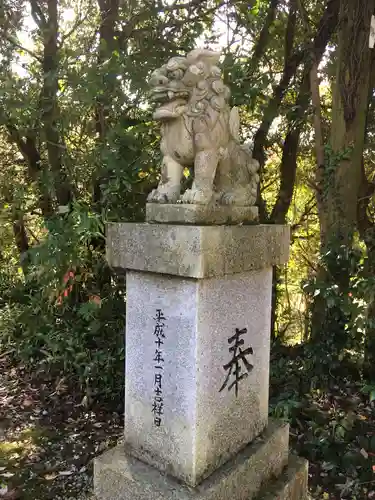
(65, 315)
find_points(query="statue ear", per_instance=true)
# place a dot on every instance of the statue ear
(207, 56)
(176, 63)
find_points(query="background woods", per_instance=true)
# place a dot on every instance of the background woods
(79, 148)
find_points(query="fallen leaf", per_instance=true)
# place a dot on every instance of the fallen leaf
(326, 466)
(50, 477)
(65, 473)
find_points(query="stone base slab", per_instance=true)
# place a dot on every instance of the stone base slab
(200, 214)
(118, 476)
(291, 485)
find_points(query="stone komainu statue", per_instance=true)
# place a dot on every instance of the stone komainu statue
(200, 130)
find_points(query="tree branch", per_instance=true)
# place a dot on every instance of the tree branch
(38, 15)
(309, 207)
(76, 25)
(30, 153)
(315, 96)
(366, 226)
(290, 66)
(14, 42)
(324, 32)
(288, 167)
(290, 30)
(261, 44)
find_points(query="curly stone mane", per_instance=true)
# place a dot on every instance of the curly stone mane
(195, 78)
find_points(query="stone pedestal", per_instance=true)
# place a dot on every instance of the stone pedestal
(197, 366)
(180, 213)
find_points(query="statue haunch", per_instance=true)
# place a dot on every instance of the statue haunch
(200, 130)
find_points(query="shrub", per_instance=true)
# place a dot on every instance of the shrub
(66, 317)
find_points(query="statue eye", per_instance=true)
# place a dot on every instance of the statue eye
(177, 74)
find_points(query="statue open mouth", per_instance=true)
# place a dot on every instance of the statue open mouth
(159, 94)
(165, 94)
(170, 110)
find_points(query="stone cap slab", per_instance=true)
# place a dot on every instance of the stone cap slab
(196, 251)
(183, 213)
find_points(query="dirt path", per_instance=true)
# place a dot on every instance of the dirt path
(48, 439)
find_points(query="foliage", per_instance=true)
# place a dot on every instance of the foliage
(67, 317)
(79, 148)
(332, 428)
(345, 305)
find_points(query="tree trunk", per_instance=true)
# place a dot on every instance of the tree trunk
(50, 108)
(366, 227)
(264, 36)
(35, 168)
(367, 232)
(288, 166)
(340, 177)
(338, 207)
(21, 240)
(109, 12)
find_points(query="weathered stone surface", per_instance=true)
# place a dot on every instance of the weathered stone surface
(183, 213)
(291, 485)
(118, 476)
(201, 426)
(200, 214)
(200, 129)
(196, 251)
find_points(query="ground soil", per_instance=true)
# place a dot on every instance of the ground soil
(49, 434)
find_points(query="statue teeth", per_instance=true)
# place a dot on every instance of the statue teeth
(170, 94)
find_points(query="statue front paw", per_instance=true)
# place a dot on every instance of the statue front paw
(164, 194)
(239, 197)
(197, 196)
(227, 198)
(157, 197)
